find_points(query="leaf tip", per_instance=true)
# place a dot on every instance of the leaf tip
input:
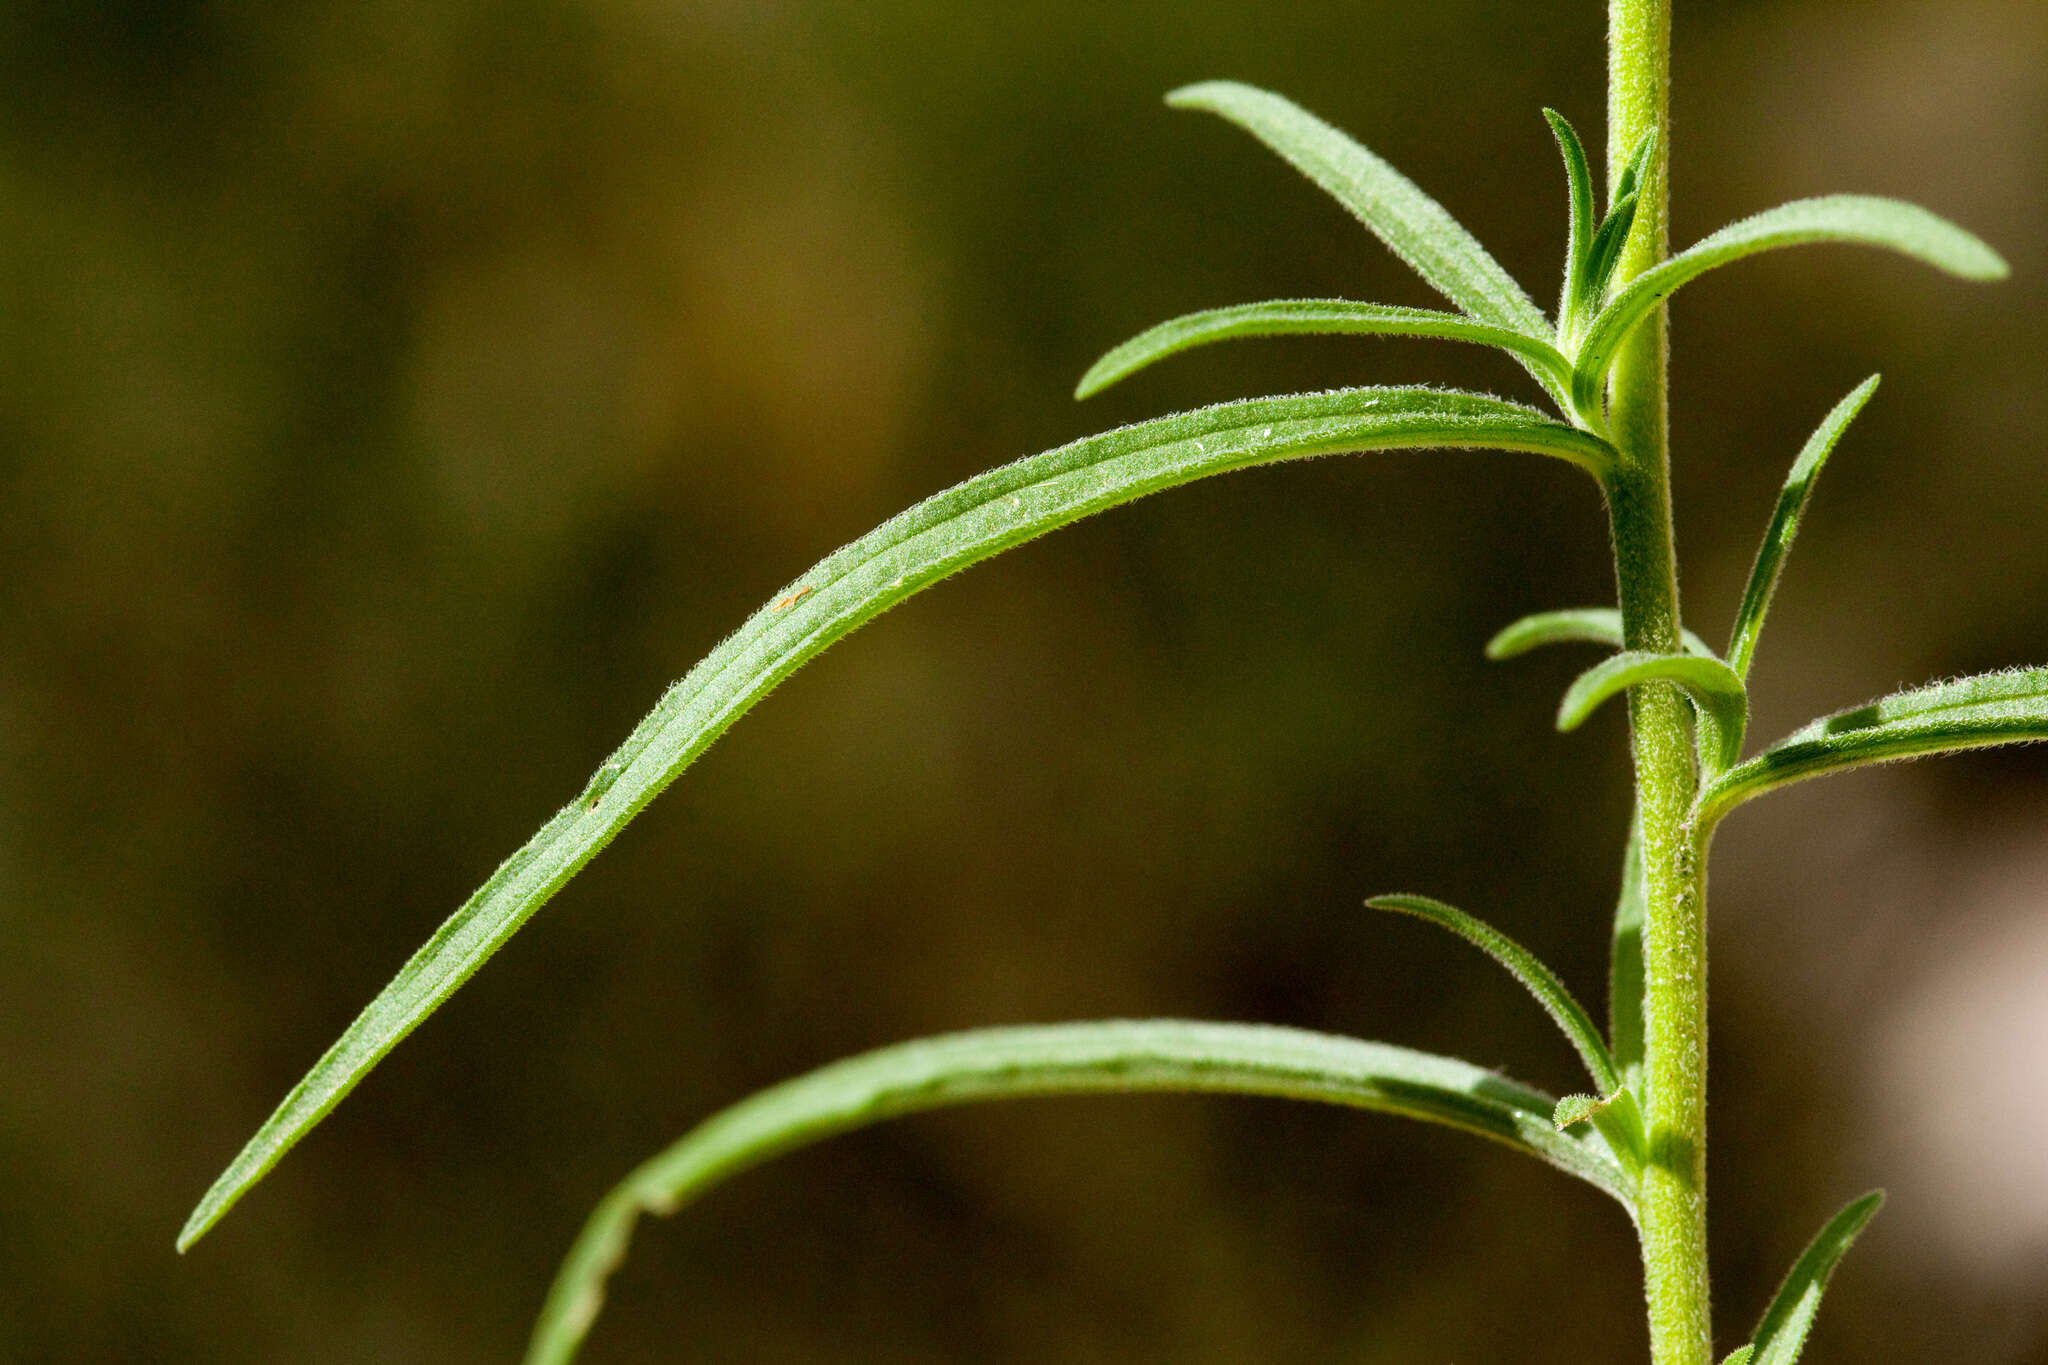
(1507, 643)
(198, 1224)
(1198, 94)
(1983, 263)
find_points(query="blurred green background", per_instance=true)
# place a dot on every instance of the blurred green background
(395, 397)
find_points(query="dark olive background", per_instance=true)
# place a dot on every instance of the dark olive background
(395, 397)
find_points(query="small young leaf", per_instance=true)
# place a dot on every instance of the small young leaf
(1853, 218)
(1625, 960)
(1638, 166)
(1309, 317)
(1719, 696)
(1739, 1356)
(1573, 1109)
(1414, 226)
(1574, 625)
(1972, 713)
(1579, 187)
(1784, 527)
(939, 536)
(1781, 1333)
(1060, 1059)
(1551, 993)
(1604, 253)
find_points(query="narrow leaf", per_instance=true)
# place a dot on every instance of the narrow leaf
(1060, 1059)
(1574, 625)
(1625, 960)
(1739, 1356)
(1604, 245)
(1853, 218)
(1722, 703)
(1579, 186)
(1781, 1334)
(1308, 317)
(1551, 993)
(1972, 713)
(1414, 226)
(1784, 527)
(1604, 253)
(1638, 166)
(961, 526)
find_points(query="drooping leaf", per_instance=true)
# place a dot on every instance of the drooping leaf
(1574, 625)
(1781, 1333)
(1310, 317)
(1414, 226)
(1579, 189)
(1718, 695)
(1853, 218)
(1625, 980)
(1784, 527)
(1060, 1059)
(1971, 713)
(948, 532)
(1551, 993)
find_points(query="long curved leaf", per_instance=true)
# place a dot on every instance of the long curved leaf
(1781, 1333)
(1555, 997)
(1574, 625)
(1059, 1059)
(1414, 226)
(1310, 317)
(1719, 696)
(945, 533)
(1854, 218)
(1972, 713)
(1784, 526)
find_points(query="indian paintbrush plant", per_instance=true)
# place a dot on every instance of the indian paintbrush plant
(1638, 1132)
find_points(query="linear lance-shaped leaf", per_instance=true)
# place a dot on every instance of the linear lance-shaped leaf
(1721, 701)
(1971, 713)
(940, 536)
(1603, 251)
(1059, 1059)
(1551, 993)
(1578, 178)
(1414, 226)
(1781, 1332)
(1854, 218)
(1784, 526)
(1312, 317)
(1574, 625)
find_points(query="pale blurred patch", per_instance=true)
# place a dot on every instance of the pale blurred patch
(1960, 1076)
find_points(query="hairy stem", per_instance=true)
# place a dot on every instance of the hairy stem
(1674, 1203)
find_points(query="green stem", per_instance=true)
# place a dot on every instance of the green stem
(1674, 1198)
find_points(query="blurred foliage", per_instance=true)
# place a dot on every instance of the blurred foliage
(396, 397)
